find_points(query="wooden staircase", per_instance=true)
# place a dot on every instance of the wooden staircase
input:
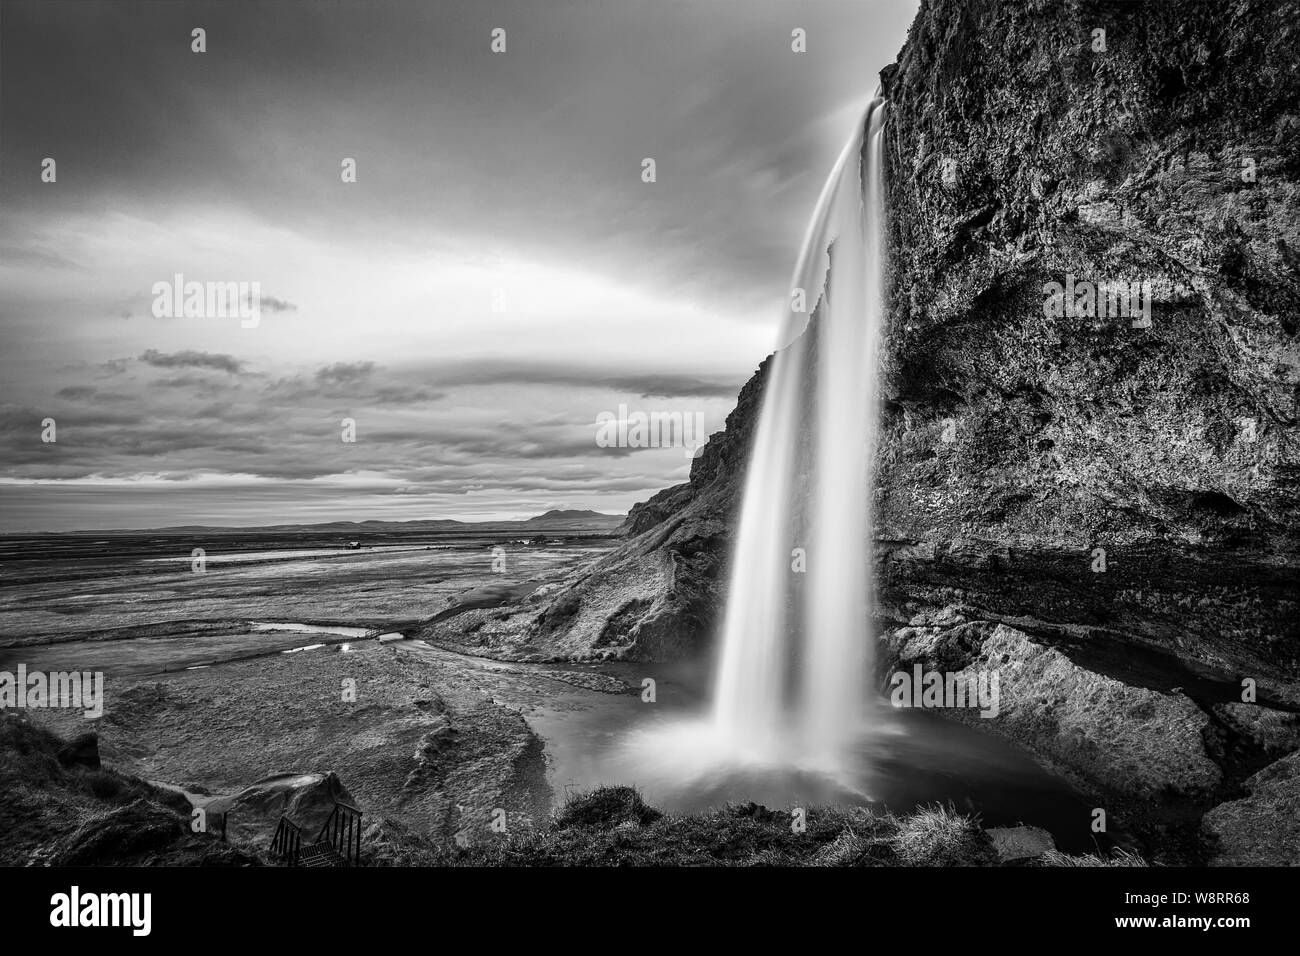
(338, 843)
(320, 854)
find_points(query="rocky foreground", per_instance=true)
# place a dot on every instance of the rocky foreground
(63, 807)
(420, 742)
(1102, 506)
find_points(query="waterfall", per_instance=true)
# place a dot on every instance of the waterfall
(792, 680)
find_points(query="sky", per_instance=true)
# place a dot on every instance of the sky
(499, 276)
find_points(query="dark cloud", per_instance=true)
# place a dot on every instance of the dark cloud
(190, 359)
(200, 384)
(406, 396)
(344, 373)
(271, 303)
(76, 392)
(582, 375)
(675, 386)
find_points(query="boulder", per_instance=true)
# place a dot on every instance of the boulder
(253, 814)
(1271, 734)
(1020, 844)
(1263, 828)
(1132, 742)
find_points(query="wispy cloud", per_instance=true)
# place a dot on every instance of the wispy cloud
(191, 359)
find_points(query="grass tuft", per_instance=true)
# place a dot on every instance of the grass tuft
(607, 807)
(1117, 857)
(940, 836)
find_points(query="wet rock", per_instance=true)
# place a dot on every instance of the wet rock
(1020, 844)
(1273, 733)
(1262, 829)
(1139, 745)
(1247, 737)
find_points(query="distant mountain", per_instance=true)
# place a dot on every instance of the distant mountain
(573, 520)
(550, 521)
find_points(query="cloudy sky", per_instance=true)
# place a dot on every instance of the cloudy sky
(496, 278)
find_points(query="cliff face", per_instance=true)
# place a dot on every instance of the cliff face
(1116, 490)
(1023, 155)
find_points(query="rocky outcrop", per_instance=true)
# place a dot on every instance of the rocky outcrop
(252, 815)
(1138, 745)
(410, 731)
(1022, 154)
(1150, 744)
(58, 811)
(1262, 829)
(1020, 844)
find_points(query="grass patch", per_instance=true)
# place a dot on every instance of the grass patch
(940, 836)
(609, 807)
(614, 826)
(63, 815)
(1117, 857)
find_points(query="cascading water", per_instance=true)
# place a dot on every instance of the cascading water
(795, 720)
(792, 687)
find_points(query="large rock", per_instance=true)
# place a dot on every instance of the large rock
(1140, 747)
(253, 814)
(1262, 829)
(1250, 736)
(1020, 844)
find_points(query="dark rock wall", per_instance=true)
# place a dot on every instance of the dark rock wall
(1122, 164)
(1018, 443)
